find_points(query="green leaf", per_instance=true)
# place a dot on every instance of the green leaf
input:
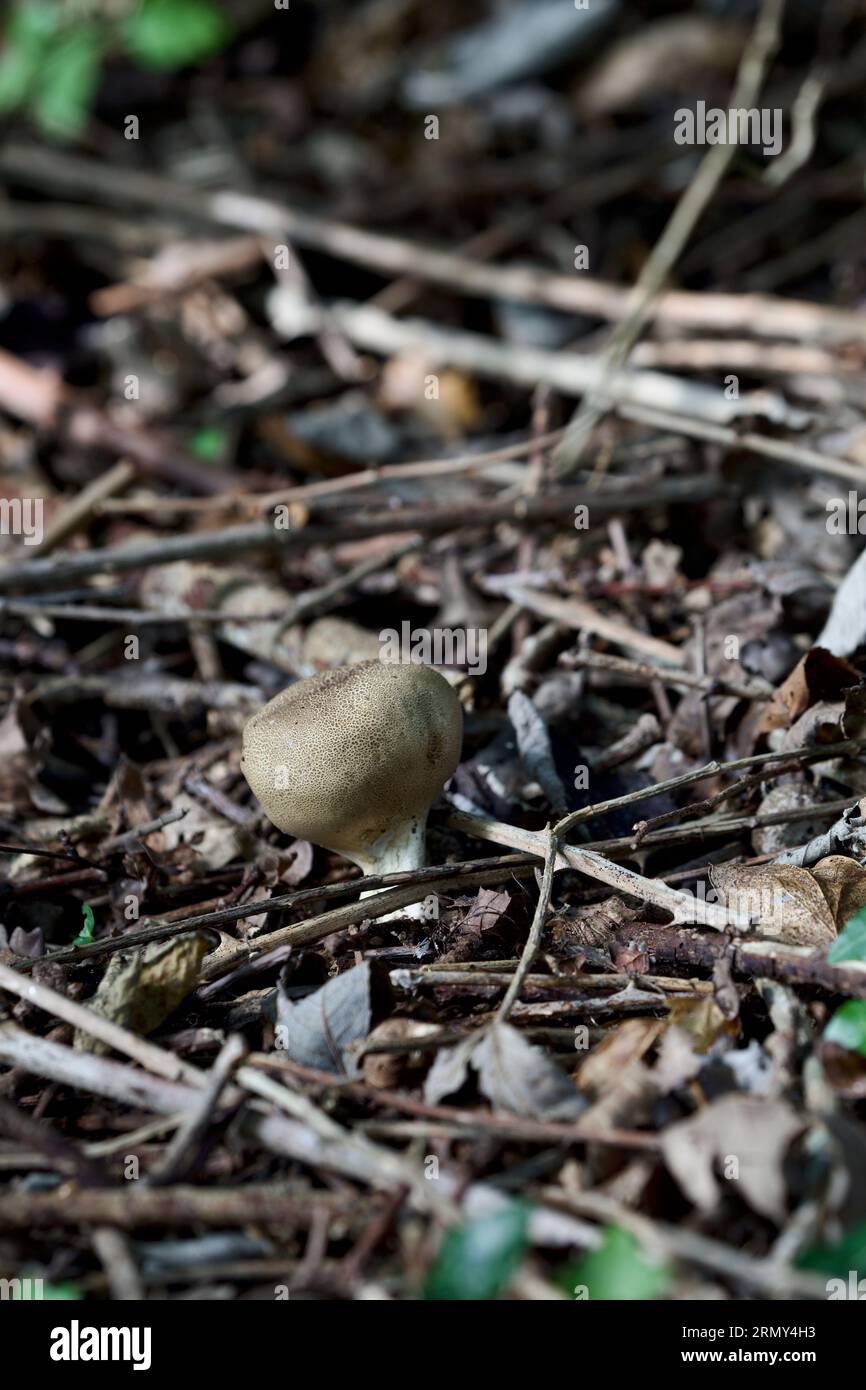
(849, 1253)
(477, 1260)
(617, 1270)
(67, 83)
(850, 944)
(173, 33)
(61, 1291)
(85, 936)
(209, 443)
(847, 1027)
(18, 69)
(36, 18)
(53, 1292)
(27, 37)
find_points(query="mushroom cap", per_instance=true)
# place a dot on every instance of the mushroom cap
(354, 754)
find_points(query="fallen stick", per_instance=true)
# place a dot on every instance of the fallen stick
(76, 513)
(243, 541)
(775, 960)
(748, 442)
(571, 373)
(759, 50)
(764, 316)
(584, 617)
(134, 1205)
(639, 671)
(353, 1157)
(773, 1278)
(683, 907)
(326, 923)
(152, 929)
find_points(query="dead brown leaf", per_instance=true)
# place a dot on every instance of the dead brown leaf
(622, 1046)
(513, 1074)
(784, 902)
(739, 1140)
(818, 677)
(141, 988)
(843, 883)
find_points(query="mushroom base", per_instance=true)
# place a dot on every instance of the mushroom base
(395, 853)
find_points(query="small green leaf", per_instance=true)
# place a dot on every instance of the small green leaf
(85, 936)
(34, 21)
(617, 1270)
(27, 37)
(34, 1291)
(173, 33)
(67, 83)
(61, 1291)
(850, 944)
(18, 69)
(477, 1260)
(209, 443)
(847, 1027)
(849, 1253)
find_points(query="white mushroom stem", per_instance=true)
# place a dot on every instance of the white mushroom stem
(400, 850)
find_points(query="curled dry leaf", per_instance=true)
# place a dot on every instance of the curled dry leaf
(655, 58)
(616, 1076)
(854, 716)
(517, 1076)
(743, 1138)
(206, 840)
(589, 925)
(820, 723)
(141, 988)
(30, 944)
(843, 883)
(818, 677)
(484, 920)
(320, 1030)
(512, 1073)
(287, 867)
(623, 1045)
(533, 743)
(387, 1070)
(844, 1070)
(702, 1019)
(785, 903)
(20, 765)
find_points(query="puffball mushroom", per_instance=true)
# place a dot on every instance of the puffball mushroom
(352, 759)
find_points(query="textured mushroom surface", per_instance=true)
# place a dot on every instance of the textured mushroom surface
(353, 755)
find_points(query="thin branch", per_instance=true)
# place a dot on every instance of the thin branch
(759, 51)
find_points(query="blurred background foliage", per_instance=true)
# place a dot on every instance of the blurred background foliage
(54, 51)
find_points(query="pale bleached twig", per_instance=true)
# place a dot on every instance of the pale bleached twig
(759, 50)
(763, 315)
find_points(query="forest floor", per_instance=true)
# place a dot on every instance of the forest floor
(443, 326)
